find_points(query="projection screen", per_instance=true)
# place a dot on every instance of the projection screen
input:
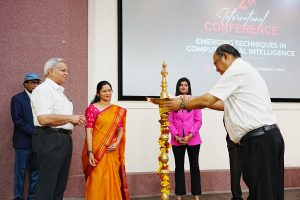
(184, 35)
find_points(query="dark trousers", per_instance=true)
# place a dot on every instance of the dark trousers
(235, 161)
(54, 152)
(263, 165)
(25, 162)
(193, 154)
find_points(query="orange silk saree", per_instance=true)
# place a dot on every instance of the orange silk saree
(106, 181)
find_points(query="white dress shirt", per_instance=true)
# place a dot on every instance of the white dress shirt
(29, 95)
(48, 98)
(247, 103)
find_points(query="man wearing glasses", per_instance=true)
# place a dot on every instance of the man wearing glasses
(54, 121)
(243, 95)
(25, 160)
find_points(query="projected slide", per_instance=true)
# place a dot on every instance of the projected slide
(185, 34)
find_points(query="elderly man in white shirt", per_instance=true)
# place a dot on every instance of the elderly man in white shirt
(54, 121)
(243, 95)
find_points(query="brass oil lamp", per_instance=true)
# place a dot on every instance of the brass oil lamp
(163, 158)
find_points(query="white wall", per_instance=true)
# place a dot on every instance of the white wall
(142, 120)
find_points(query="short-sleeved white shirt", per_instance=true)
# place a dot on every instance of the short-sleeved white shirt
(247, 103)
(48, 98)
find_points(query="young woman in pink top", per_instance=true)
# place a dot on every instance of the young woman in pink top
(184, 126)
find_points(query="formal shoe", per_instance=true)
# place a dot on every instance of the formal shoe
(179, 197)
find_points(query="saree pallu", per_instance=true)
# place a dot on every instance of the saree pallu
(107, 180)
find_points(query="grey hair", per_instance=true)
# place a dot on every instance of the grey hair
(52, 63)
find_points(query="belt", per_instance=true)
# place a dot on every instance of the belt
(259, 131)
(61, 130)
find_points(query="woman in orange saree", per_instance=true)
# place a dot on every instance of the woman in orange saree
(103, 152)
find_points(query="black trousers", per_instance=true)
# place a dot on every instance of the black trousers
(235, 161)
(54, 153)
(193, 154)
(263, 165)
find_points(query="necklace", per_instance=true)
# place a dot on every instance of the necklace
(102, 106)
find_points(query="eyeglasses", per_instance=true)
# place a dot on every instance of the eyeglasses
(61, 70)
(215, 63)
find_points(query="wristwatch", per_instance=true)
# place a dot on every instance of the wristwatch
(182, 106)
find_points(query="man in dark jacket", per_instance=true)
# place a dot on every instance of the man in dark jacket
(25, 161)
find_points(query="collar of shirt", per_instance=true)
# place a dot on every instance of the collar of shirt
(238, 61)
(28, 93)
(55, 85)
(235, 63)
